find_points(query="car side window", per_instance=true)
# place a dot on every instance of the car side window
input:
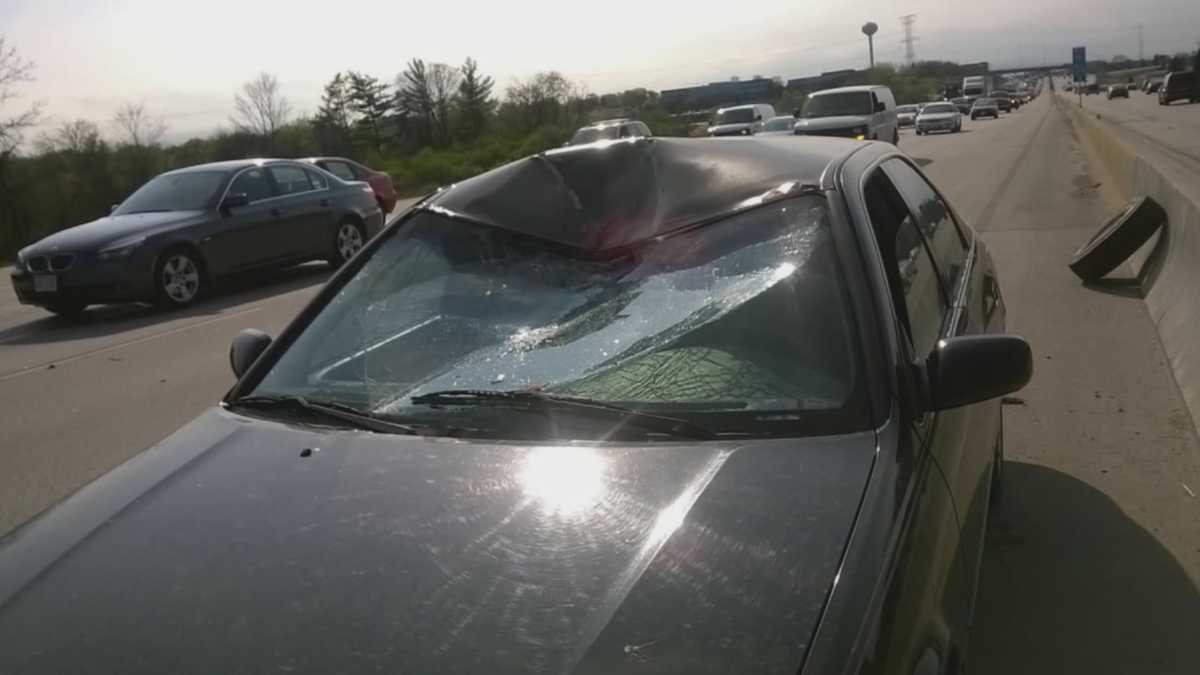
(318, 181)
(643, 129)
(290, 179)
(916, 290)
(360, 171)
(937, 225)
(340, 169)
(253, 183)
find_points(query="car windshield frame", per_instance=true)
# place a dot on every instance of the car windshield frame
(148, 199)
(906, 109)
(852, 415)
(838, 104)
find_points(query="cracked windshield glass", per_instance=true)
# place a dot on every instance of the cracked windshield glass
(536, 337)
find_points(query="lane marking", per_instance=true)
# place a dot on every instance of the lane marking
(102, 350)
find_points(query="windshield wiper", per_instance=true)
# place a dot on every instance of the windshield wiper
(669, 426)
(359, 419)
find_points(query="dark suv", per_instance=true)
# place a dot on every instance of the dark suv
(1177, 86)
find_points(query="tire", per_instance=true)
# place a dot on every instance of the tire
(67, 310)
(348, 239)
(179, 278)
(1117, 239)
(918, 132)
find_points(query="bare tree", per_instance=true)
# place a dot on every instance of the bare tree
(443, 83)
(14, 71)
(259, 108)
(77, 136)
(137, 126)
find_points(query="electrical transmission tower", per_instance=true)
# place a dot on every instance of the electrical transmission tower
(909, 52)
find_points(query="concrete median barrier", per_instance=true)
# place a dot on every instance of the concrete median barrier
(1168, 266)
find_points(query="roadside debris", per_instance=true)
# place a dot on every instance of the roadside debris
(1118, 238)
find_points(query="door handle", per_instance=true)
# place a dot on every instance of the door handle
(276, 212)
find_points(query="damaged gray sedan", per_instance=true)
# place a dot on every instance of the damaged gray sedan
(649, 406)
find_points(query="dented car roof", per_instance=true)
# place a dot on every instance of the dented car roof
(613, 194)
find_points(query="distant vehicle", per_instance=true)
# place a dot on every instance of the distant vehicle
(610, 130)
(866, 113)
(778, 126)
(977, 86)
(984, 107)
(740, 120)
(906, 115)
(1117, 91)
(349, 170)
(939, 117)
(183, 229)
(1183, 85)
(1153, 86)
(1091, 88)
(963, 104)
(1003, 102)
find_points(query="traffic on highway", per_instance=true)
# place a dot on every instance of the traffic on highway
(890, 369)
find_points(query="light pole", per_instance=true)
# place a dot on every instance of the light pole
(869, 29)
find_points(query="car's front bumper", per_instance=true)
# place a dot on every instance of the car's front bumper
(87, 281)
(944, 125)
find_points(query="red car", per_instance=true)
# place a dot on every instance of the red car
(380, 182)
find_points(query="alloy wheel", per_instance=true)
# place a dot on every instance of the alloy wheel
(180, 278)
(349, 241)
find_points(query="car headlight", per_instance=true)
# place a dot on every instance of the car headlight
(746, 132)
(120, 251)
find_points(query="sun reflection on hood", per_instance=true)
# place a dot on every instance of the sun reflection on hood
(564, 480)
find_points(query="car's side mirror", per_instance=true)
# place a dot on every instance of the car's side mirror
(880, 106)
(758, 118)
(234, 200)
(247, 346)
(974, 368)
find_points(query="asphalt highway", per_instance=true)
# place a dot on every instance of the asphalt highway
(1093, 560)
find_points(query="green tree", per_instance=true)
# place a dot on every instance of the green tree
(371, 102)
(475, 103)
(416, 98)
(332, 124)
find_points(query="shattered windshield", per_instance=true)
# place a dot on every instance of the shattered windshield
(741, 317)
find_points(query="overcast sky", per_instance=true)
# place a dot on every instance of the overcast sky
(184, 60)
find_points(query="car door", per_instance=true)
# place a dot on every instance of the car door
(245, 236)
(966, 438)
(923, 616)
(305, 210)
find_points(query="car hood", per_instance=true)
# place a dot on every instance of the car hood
(728, 129)
(103, 231)
(836, 122)
(224, 549)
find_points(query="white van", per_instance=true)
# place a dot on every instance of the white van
(866, 112)
(740, 120)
